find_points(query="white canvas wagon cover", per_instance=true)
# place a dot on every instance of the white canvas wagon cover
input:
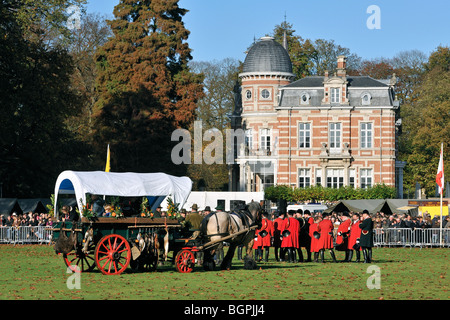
(155, 186)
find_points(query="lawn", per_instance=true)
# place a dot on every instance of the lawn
(34, 272)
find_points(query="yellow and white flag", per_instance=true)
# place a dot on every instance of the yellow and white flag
(108, 164)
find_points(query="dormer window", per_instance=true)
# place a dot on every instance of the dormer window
(365, 99)
(304, 98)
(335, 95)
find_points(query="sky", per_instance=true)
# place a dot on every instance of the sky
(226, 28)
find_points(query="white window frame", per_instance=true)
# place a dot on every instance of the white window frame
(352, 177)
(366, 178)
(319, 180)
(335, 177)
(335, 95)
(248, 141)
(366, 135)
(304, 178)
(335, 137)
(262, 94)
(264, 139)
(304, 135)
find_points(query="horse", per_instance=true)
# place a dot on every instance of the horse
(220, 224)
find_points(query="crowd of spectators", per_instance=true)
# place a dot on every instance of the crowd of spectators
(29, 219)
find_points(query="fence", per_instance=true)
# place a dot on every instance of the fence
(407, 237)
(26, 235)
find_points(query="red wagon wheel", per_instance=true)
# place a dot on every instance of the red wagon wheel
(185, 261)
(112, 254)
(78, 261)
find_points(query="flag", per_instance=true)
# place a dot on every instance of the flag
(440, 173)
(108, 165)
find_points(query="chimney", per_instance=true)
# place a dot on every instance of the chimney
(341, 66)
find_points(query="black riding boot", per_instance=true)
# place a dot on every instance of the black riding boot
(316, 257)
(322, 255)
(300, 255)
(364, 250)
(369, 255)
(267, 254)
(239, 252)
(309, 256)
(332, 255)
(276, 253)
(358, 255)
(350, 256)
(282, 254)
(346, 256)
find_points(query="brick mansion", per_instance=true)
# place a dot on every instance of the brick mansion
(332, 130)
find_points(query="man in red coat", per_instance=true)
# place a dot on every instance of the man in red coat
(353, 239)
(277, 229)
(263, 238)
(290, 239)
(314, 231)
(343, 232)
(326, 236)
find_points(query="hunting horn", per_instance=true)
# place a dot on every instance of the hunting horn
(286, 232)
(263, 231)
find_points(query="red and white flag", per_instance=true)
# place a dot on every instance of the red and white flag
(440, 173)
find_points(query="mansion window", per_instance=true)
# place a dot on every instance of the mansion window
(265, 94)
(318, 177)
(335, 178)
(335, 137)
(304, 135)
(351, 177)
(304, 178)
(335, 95)
(265, 140)
(366, 178)
(366, 135)
(248, 141)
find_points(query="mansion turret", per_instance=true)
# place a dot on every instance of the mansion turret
(332, 130)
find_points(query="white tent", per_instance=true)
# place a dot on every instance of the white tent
(155, 186)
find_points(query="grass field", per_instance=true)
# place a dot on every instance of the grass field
(36, 272)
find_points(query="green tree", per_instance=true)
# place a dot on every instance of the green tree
(428, 121)
(36, 97)
(146, 89)
(300, 51)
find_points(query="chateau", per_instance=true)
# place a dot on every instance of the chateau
(332, 130)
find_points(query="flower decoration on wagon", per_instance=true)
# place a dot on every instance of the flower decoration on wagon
(172, 209)
(86, 211)
(117, 213)
(145, 212)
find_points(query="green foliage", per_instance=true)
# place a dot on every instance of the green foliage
(319, 193)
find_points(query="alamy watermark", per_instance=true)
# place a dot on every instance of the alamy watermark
(238, 142)
(74, 280)
(374, 281)
(374, 20)
(74, 19)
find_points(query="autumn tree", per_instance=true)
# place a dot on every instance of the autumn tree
(146, 89)
(427, 122)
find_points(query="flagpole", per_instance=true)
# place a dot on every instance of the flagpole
(442, 192)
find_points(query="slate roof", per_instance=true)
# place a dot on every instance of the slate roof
(353, 81)
(267, 55)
